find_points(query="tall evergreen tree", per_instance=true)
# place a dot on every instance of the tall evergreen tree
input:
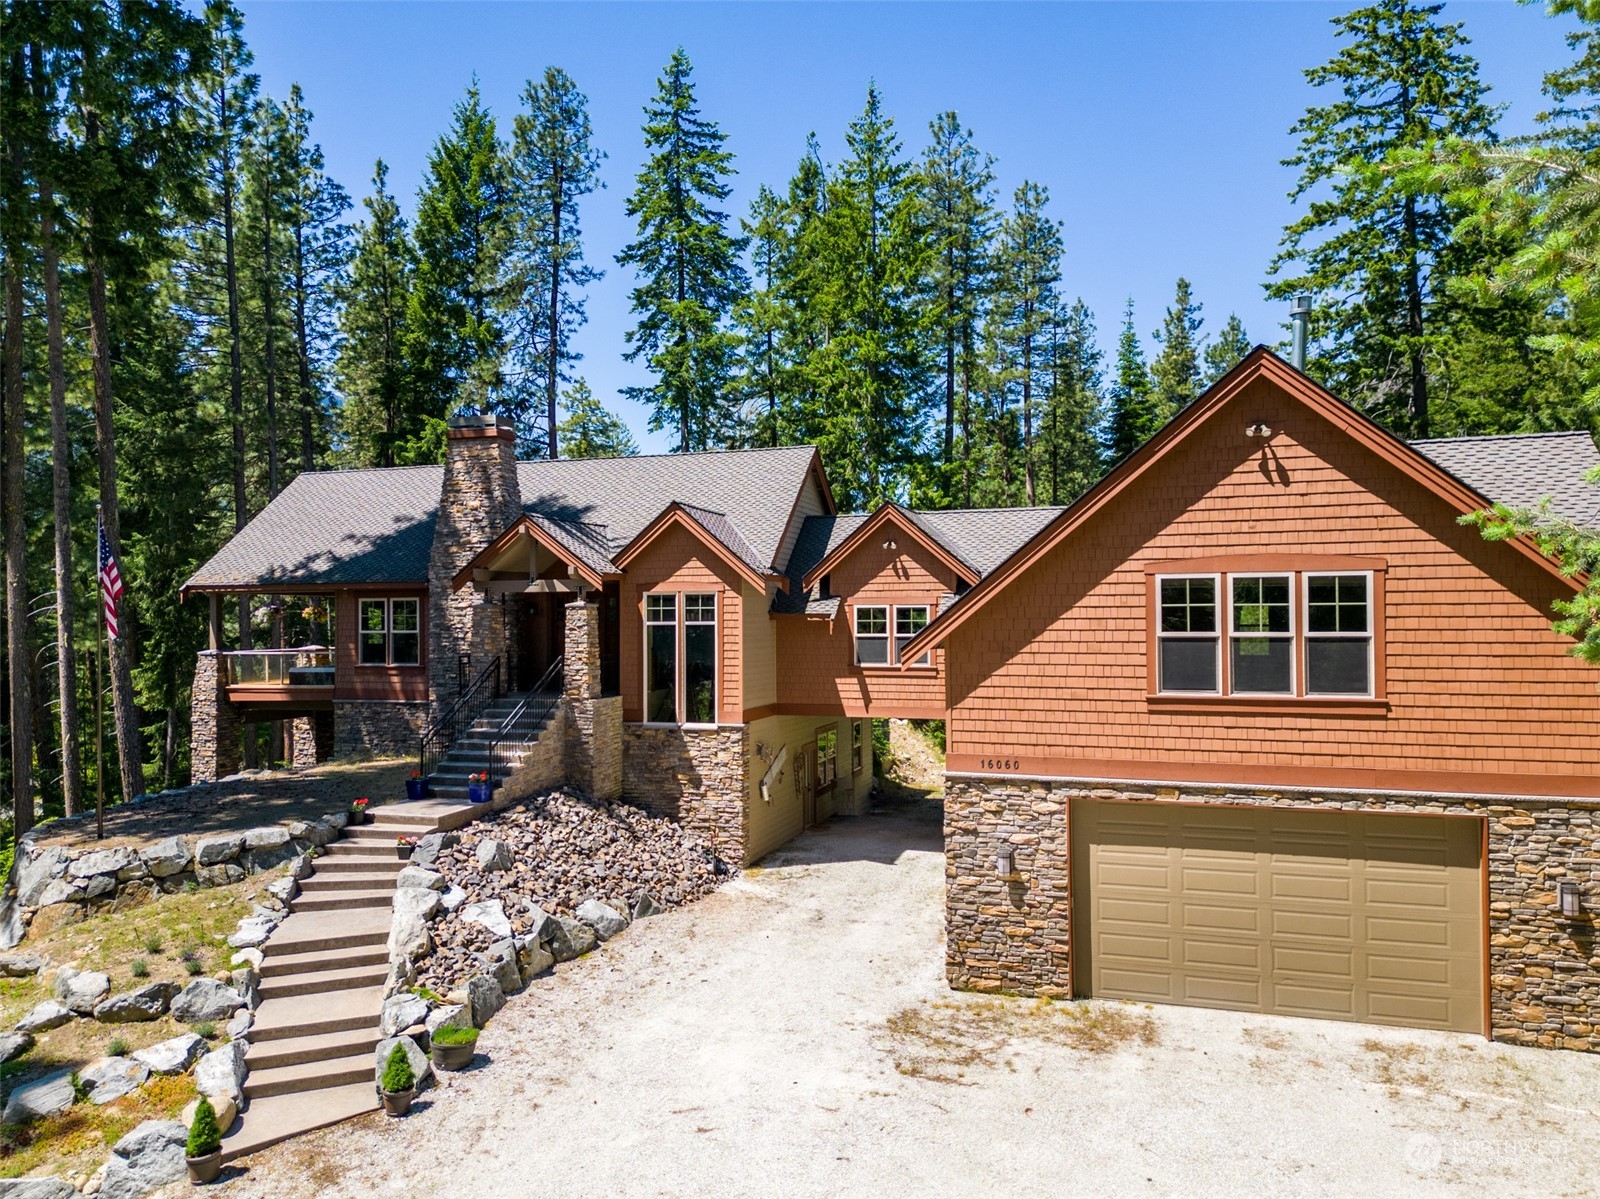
(1133, 415)
(589, 430)
(264, 222)
(382, 412)
(688, 267)
(761, 316)
(1367, 247)
(1227, 351)
(553, 165)
(454, 329)
(1175, 373)
(1073, 413)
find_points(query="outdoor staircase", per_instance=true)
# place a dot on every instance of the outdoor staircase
(322, 978)
(469, 753)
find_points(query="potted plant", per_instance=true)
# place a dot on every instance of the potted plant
(478, 789)
(398, 1086)
(358, 810)
(453, 1046)
(404, 844)
(203, 1154)
(416, 786)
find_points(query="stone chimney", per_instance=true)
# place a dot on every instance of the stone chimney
(479, 501)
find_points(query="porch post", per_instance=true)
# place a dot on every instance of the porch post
(214, 722)
(593, 752)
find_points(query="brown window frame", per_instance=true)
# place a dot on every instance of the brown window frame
(388, 632)
(680, 624)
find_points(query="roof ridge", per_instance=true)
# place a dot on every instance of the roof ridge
(367, 470)
(754, 449)
(1504, 436)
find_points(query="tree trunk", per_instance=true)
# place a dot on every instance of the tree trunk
(308, 405)
(553, 350)
(1027, 411)
(1418, 401)
(271, 363)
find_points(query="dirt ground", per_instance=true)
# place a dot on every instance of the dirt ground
(792, 1035)
(266, 798)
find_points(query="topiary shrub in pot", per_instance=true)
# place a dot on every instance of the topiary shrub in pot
(453, 1046)
(203, 1152)
(398, 1086)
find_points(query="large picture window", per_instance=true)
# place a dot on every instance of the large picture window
(874, 646)
(389, 632)
(680, 684)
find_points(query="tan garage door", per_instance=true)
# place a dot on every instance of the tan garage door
(1342, 915)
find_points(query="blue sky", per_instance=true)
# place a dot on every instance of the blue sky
(1158, 128)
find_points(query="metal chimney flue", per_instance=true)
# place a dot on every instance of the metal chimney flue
(1299, 321)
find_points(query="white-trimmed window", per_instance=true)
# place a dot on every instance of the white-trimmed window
(680, 667)
(827, 756)
(1186, 634)
(909, 620)
(1338, 624)
(1261, 634)
(872, 636)
(855, 746)
(389, 632)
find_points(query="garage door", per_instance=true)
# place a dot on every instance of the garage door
(1342, 915)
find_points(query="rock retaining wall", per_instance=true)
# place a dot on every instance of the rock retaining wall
(1544, 969)
(380, 728)
(695, 776)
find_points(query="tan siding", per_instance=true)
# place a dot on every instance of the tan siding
(773, 824)
(760, 649)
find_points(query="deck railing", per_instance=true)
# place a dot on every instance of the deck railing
(308, 666)
(459, 717)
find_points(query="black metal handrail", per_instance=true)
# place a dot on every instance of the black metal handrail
(531, 714)
(460, 715)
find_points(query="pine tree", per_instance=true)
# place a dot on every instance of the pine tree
(265, 253)
(1027, 269)
(1227, 351)
(1073, 413)
(1133, 416)
(761, 315)
(1175, 373)
(455, 337)
(688, 267)
(1368, 247)
(589, 430)
(553, 165)
(381, 411)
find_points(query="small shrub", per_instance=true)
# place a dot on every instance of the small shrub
(205, 1138)
(138, 968)
(117, 1048)
(206, 1029)
(192, 962)
(454, 1034)
(397, 1073)
(190, 886)
(427, 993)
(152, 943)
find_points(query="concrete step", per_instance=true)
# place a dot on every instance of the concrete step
(308, 1015)
(343, 901)
(311, 1076)
(350, 880)
(320, 982)
(275, 965)
(369, 836)
(312, 932)
(290, 1051)
(357, 861)
(275, 1118)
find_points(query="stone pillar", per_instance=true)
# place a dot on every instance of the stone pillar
(593, 754)
(213, 722)
(479, 500)
(313, 739)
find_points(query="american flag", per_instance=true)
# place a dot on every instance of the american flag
(110, 582)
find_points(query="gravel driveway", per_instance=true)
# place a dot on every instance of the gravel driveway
(793, 1035)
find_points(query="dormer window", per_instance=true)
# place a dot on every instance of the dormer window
(874, 646)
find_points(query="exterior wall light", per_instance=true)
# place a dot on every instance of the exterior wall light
(890, 545)
(1005, 861)
(1258, 430)
(1570, 901)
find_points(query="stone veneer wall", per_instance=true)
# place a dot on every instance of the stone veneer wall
(543, 768)
(1544, 969)
(593, 753)
(214, 731)
(382, 728)
(313, 739)
(694, 776)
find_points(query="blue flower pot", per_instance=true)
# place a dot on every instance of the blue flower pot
(480, 792)
(416, 788)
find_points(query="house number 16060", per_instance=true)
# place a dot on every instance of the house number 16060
(1002, 763)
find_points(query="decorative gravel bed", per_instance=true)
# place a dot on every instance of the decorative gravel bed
(563, 849)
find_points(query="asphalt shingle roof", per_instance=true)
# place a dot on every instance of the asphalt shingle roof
(1521, 469)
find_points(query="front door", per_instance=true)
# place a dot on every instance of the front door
(805, 783)
(543, 637)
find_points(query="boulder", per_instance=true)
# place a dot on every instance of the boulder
(489, 913)
(20, 965)
(173, 1056)
(42, 1097)
(606, 921)
(284, 889)
(227, 1112)
(430, 847)
(270, 856)
(455, 1015)
(500, 963)
(101, 861)
(251, 933)
(493, 855)
(38, 1188)
(247, 957)
(113, 1077)
(219, 876)
(12, 930)
(269, 837)
(99, 886)
(248, 983)
(409, 937)
(300, 869)
(542, 925)
(646, 905)
(211, 851)
(571, 939)
(44, 1017)
(418, 901)
(317, 833)
(420, 1066)
(239, 1027)
(148, 1002)
(400, 1012)
(81, 990)
(59, 890)
(533, 959)
(166, 857)
(222, 1071)
(420, 876)
(452, 898)
(485, 997)
(150, 1156)
(56, 916)
(35, 870)
(205, 999)
(13, 1045)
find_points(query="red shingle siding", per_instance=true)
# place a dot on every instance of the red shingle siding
(1055, 666)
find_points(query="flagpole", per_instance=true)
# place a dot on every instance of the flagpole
(99, 692)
